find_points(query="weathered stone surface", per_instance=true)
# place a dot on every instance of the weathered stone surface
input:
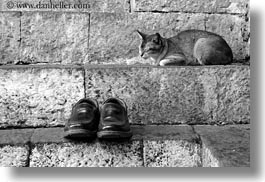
(113, 38)
(225, 146)
(9, 37)
(194, 6)
(54, 37)
(87, 155)
(15, 136)
(67, 5)
(13, 156)
(235, 30)
(38, 97)
(193, 95)
(171, 153)
(234, 96)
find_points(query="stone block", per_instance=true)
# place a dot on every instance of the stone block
(66, 5)
(87, 155)
(13, 156)
(192, 6)
(60, 38)
(38, 97)
(234, 96)
(113, 38)
(171, 153)
(235, 30)
(175, 95)
(9, 37)
(225, 146)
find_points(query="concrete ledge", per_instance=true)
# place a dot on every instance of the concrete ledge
(226, 146)
(15, 136)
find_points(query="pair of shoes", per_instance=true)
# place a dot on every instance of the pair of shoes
(87, 121)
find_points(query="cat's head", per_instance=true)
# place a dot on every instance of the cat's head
(151, 45)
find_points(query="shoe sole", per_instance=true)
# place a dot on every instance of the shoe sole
(80, 133)
(114, 134)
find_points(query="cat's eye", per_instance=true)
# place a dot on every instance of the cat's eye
(156, 41)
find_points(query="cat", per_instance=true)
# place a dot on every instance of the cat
(189, 47)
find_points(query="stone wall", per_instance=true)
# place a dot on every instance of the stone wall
(104, 33)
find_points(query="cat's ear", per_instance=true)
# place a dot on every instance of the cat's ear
(158, 35)
(142, 35)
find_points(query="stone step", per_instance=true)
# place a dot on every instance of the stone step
(42, 96)
(175, 95)
(150, 146)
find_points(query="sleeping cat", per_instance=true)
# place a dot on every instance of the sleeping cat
(190, 47)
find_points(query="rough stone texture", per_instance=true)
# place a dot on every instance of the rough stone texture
(54, 37)
(9, 37)
(226, 146)
(194, 6)
(13, 156)
(113, 38)
(170, 153)
(193, 95)
(234, 96)
(38, 97)
(74, 5)
(87, 155)
(235, 30)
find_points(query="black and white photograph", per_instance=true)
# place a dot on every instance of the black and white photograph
(125, 83)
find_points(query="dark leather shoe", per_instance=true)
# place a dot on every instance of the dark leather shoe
(84, 120)
(114, 121)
